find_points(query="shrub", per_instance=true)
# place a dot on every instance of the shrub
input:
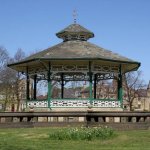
(82, 133)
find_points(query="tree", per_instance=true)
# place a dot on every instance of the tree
(7, 84)
(6, 77)
(107, 89)
(132, 83)
(19, 77)
(42, 88)
(3, 59)
(10, 79)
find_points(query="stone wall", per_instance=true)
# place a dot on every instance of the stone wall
(117, 120)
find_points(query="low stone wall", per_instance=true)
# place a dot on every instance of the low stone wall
(117, 120)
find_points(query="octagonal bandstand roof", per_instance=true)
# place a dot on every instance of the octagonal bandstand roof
(76, 47)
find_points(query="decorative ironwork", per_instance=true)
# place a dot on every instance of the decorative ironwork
(75, 77)
(75, 72)
(69, 68)
(84, 103)
(56, 77)
(37, 70)
(37, 104)
(70, 103)
(75, 103)
(42, 76)
(98, 103)
(105, 68)
(105, 76)
(70, 77)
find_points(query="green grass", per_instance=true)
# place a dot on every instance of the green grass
(38, 139)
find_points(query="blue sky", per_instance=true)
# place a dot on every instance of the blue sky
(122, 26)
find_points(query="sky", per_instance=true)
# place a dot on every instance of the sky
(122, 26)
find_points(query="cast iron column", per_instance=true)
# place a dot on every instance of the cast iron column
(62, 86)
(49, 85)
(35, 76)
(90, 82)
(95, 83)
(120, 85)
(27, 84)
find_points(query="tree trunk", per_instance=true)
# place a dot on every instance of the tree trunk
(18, 104)
(130, 106)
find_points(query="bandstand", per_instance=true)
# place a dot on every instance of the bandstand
(74, 59)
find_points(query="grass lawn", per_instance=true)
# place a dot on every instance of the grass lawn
(38, 139)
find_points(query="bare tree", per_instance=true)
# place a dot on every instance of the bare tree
(3, 58)
(7, 89)
(106, 89)
(132, 83)
(100, 89)
(19, 77)
(20, 54)
(10, 79)
(6, 77)
(55, 89)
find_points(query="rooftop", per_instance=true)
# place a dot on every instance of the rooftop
(76, 47)
(78, 50)
(75, 32)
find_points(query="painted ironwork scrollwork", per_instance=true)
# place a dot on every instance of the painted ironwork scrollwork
(70, 77)
(105, 76)
(105, 68)
(75, 103)
(69, 68)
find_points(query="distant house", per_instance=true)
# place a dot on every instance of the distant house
(1, 97)
(109, 91)
(142, 101)
(1, 102)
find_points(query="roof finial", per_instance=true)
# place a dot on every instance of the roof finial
(75, 16)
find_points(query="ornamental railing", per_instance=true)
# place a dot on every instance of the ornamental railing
(75, 103)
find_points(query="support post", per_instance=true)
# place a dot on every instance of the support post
(120, 85)
(90, 83)
(27, 85)
(62, 86)
(49, 85)
(95, 84)
(35, 77)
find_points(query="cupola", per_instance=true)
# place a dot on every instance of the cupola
(75, 32)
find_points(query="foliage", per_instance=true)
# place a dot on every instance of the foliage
(82, 133)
